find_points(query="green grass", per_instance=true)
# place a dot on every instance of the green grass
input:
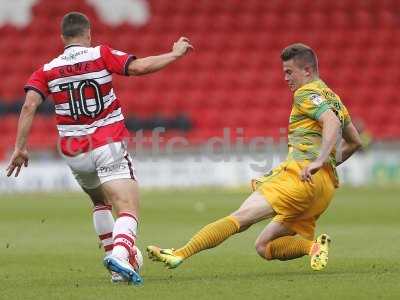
(48, 250)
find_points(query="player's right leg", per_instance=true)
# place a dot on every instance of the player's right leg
(253, 210)
(103, 222)
(123, 194)
(115, 170)
(107, 172)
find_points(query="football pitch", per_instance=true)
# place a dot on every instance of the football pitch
(48, 250)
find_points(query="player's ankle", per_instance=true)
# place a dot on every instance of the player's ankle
(120, 252)
(178, 254)
(314, 248)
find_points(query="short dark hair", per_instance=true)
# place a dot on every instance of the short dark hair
(302, 54)
(74, 24)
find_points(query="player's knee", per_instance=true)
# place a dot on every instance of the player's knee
(263, 249)
(260, 249)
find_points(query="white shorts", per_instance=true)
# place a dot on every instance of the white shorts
(105, 163)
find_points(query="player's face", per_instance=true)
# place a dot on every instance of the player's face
(295, 76)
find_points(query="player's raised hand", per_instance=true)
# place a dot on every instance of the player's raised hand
(18, 159)
(309, 170)
(182, 46)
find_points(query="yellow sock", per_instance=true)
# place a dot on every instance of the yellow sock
(209, 236)
(288, 247)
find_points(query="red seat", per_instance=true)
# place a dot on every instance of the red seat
(236, 65)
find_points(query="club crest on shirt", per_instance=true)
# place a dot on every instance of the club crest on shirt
(317, 99)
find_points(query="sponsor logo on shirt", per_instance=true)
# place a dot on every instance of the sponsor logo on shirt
(74, 55)
(317, 99)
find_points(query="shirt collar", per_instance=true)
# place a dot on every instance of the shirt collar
(72, 45)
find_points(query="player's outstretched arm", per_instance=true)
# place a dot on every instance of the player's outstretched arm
(350, 143)
(330, 131)
(20, 156)
(150, 64)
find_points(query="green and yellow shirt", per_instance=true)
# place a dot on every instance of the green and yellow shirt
(305, 132)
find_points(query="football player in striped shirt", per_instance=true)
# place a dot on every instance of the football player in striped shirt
(91, 129)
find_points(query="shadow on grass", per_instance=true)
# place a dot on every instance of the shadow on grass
(251, 276)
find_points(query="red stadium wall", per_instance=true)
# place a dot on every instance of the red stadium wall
(234, 77)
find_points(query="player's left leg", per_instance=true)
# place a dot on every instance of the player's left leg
(103, 220)
(253, 210)
(84, 171)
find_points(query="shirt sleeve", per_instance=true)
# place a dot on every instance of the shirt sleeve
(116, 61)
(38, 83)
(346, 117)
(311, 103)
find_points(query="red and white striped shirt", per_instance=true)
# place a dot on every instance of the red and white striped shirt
(88, 112)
